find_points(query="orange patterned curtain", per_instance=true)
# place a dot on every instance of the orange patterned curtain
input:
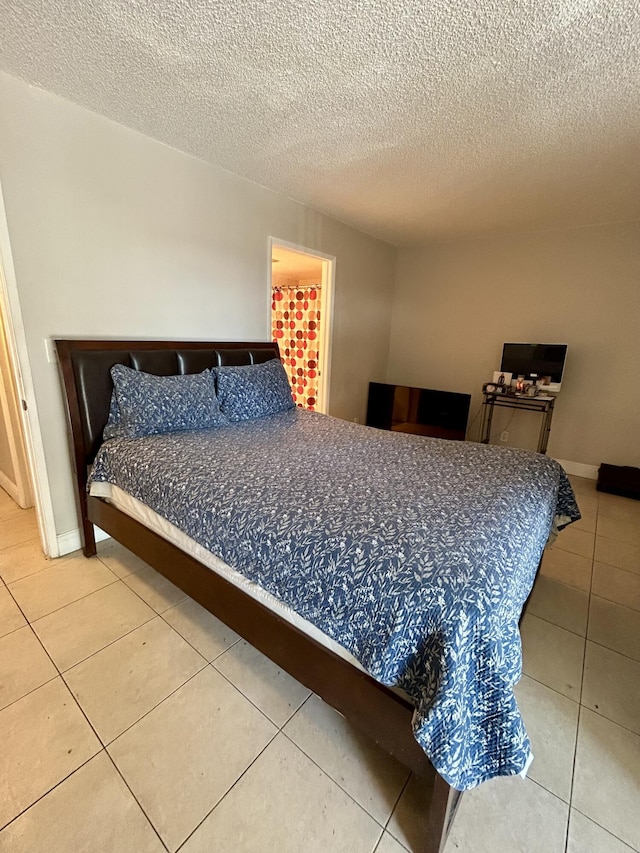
(296, 326)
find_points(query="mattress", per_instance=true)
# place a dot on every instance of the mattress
(413, 555)
(152, 520)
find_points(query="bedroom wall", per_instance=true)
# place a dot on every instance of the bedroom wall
(114, 234)
(457, 302)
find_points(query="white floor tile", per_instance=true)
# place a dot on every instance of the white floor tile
(575, 541)
(20, 528)
(551, 721)
(511, 814)
(622, 555)
(408, 823)
(606, 784)
(10, 616)
(22, 560)
(563, 605)
(8, 507)
(613, 506)
(92, 810)
(59, 585)
(620, 529)
(155, 589)
(552, 655)
(306, 811)
(615, 627)
(589, 517)
(617, 585)
(612, 686)
(388, 844)
(272, 690)
(571, 569)
(184, 756)
(362, 769)
(583, 485)
(119, 559)
(44, 738)
(585, 836)
(119, 684)
(83, 627)
(24, 665)
(202, 629)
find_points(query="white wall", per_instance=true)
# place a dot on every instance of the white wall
(114, 234)
(456, 303)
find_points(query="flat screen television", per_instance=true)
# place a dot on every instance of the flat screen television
(545, 361)
(421, 411)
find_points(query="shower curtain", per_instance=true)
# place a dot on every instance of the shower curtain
(295, 313)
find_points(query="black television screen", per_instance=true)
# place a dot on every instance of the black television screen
(535, 360)
(421, 411)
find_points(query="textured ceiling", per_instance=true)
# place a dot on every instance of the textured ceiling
(411, 120)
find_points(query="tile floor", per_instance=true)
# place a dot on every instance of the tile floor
(132, 720)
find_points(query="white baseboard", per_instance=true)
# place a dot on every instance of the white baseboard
(578, 469)
(71, 541)
(10, 488)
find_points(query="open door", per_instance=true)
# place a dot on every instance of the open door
(14, 469)
(301, 291)
(17, 397)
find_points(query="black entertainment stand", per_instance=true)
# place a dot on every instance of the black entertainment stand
(544, 407)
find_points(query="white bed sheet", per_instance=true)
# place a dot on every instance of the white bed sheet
(145, 515)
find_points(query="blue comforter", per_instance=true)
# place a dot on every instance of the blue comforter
(416, 555)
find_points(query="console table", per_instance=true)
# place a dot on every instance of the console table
(543, 407)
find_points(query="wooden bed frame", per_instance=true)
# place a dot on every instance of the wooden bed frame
(368, 705)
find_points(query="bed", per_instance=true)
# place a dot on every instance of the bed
(358, 528)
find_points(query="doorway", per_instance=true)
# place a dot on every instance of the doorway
(26, 429)
(14, 468)
(301, 291)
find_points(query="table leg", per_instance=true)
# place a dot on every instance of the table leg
(545, 429)
(487, 418)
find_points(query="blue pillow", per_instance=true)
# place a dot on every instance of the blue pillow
(113, 428)
(253, 390)
(146, 404)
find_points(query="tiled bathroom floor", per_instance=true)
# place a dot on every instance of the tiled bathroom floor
(131, 720)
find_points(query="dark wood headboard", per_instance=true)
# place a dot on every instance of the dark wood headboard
(85, 367)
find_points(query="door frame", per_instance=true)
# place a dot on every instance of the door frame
(16, 341)
(328, 290)
(20, 488)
